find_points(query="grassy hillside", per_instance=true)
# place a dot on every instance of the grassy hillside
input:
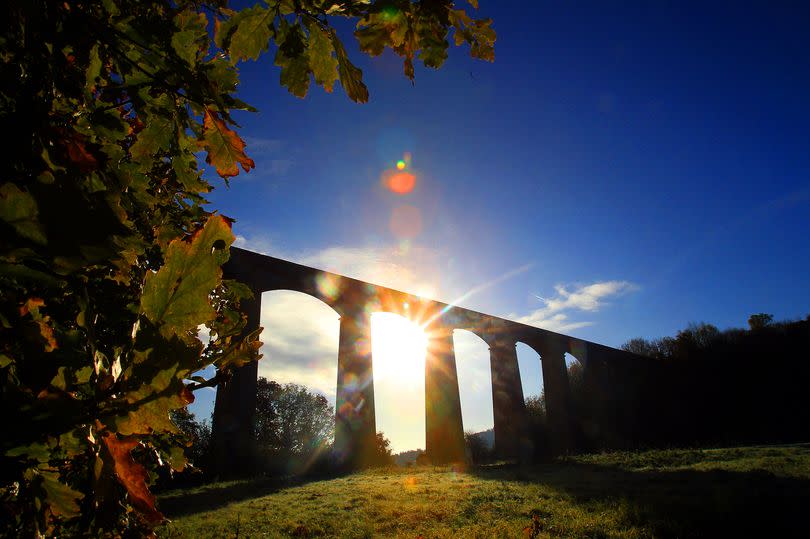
(746, 492)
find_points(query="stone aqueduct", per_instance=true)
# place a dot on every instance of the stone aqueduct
(354, 301)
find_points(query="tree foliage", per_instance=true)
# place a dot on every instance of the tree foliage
(702, 387)
(198, 434)
(759, 321)
(293, 425)
(109, 261)
(382, 451)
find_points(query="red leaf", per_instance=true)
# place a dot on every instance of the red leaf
(133, 476)
(79, 155)
(31, 304)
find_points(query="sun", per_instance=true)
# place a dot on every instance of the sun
(398, 348)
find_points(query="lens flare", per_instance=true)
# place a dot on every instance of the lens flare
(328, 285)
(401, 183)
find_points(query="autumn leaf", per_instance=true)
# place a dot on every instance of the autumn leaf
(225, 149)
(242, 353)
(31, 308)
(78, 153)
(132, 475)
(176, 297)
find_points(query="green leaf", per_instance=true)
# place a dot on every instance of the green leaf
(478, 33)
(321, 60)
(351, 77)
(62, 499)
(373, 38)
(176, 457)
(192, 37)
(5, 361)
(37, 451)
(433, 42)
(73, 442)
(176, 297)
(292, 58)
(19, 209)
(93, 69)
(222, 75)
(159, 132)
(246, 34)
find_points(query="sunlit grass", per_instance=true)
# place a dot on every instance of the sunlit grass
(674, 493)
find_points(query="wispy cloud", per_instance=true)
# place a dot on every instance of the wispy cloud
(273, 157)
(555, 313)
(300, 341)
(263, 145)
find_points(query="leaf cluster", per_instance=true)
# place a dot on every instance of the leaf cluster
(109, 260)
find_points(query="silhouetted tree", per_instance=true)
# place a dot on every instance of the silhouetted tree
(477, 449)
(538, 426)
(382, 451)
(706, 387)
(198, 434)
(293, 425)
(759, 321)
(641, 346)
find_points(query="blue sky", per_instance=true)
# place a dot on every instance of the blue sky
(649, 162)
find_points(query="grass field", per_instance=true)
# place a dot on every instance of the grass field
(739, 492)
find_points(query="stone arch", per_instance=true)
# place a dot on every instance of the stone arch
(531, 372)
(398, 350)
(475, 380)
(301, 335)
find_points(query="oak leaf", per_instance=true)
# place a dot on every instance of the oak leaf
(246, 34)
(351, 76)
(225, 149)
(321, 60)
(175, 298)
(133, 476)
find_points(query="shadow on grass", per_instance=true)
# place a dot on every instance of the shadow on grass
(209, 497)
(679, 503)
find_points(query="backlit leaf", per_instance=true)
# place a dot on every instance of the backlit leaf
(246, 34)
(293, 60)
(225, 149)
(351, 77)
(176, 297)
(321, 59)
(243, 352)
(132, 475)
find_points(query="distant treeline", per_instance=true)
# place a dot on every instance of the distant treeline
(702, 387)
